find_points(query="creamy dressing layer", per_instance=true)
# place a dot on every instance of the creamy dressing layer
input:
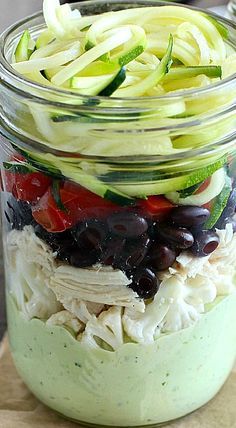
(135, 385)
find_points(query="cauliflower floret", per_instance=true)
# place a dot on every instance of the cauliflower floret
(82, 310)
(145, 327)
(30, 265)
(67, 319)
(180, 315)
(107, 328)
(219, 267)
(177, 305)
(188, 297)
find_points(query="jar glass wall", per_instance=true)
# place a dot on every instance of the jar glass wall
(232, 9)
(119, 240)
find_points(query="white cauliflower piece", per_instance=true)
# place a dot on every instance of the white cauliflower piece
(97, 284)
(187, 297)
(107, 328)
(30, 264)
(223, 262)
(67, 319)
(180, 314)
(177, 305)
(199, 291)
(145, 327)
(82, 310)
(219, 267)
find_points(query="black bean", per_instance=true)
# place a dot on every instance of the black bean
(57, 241)
(205, 243)
(179, 237)
(90, 234)
(83, 259)
(133, 253)
(112, 249)
(188, 216)
(127, 224)
(161, 256)
(145, 283)
(65, 252)
(18, 213)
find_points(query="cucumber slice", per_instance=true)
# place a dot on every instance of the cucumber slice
(55, 60)
(219, 204)
(80, 118)
(170, 186)
(23, 48)
(55, 188)
(91, 85)
(19, 167)
(132, 49)
(96, 186)
(99, 85)
(60, 169)
(214, 189)
(73, 68)
(189, 191)
(153, 79)
(115, 83)
(44, 39)
(50, 72)
(98, 68)
(175, 73)
(36, 162)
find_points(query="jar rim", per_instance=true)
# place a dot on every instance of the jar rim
(8, 76)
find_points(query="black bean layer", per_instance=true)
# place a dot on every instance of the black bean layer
(145, 283)
(179, 237)
(205, 243)
(127, 224)
(161, 256)
(188, 216)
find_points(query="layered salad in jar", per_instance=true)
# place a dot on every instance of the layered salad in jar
(121, 292)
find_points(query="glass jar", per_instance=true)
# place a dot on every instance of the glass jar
(232, 9)
(121, 301)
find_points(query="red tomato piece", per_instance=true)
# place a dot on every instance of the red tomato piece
(156, 206)
(48, 215)
(17, 157)
(80, 204)
(26, 187)
(84, 204)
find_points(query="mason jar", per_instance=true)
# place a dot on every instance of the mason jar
(232, 8)
(119, 241)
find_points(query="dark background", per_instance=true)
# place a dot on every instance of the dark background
(11, 10)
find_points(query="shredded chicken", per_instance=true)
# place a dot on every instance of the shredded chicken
(30, 264)
(43, 287)
(99, 285)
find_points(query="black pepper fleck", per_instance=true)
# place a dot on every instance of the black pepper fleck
(77, 365)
